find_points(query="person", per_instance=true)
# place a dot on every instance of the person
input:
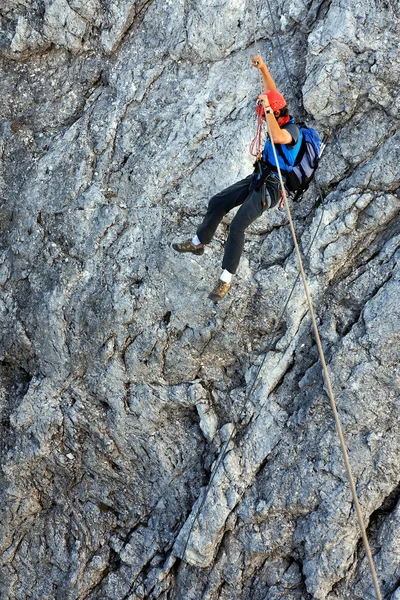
(256, 192)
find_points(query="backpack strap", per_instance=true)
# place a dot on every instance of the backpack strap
(282, 154)
(300, 153)
(303, 188)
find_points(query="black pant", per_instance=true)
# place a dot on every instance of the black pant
(253, 203)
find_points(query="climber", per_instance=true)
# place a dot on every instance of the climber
(256, 192)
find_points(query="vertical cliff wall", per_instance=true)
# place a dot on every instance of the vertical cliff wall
(120, 381)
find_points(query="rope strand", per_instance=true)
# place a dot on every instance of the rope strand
(281, 52)
(253, 17)
(328, 381)
(320, 350)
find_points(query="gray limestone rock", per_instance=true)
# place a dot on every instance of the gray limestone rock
(154, 445)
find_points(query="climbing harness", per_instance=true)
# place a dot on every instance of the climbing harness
(317, 338)
(300, 162)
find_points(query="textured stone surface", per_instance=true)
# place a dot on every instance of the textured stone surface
(121, 384)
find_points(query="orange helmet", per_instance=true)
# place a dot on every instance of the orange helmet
(276, 100)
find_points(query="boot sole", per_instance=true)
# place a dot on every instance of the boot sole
(215, 299)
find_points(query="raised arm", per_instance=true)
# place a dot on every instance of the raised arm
(258, 63)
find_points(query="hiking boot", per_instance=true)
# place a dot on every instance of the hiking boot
(220, 290)
(189, 247)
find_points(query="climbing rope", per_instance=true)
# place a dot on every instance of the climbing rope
(264, 352)
(251, 389)
(253, 19)
(319, 345)
(321, 352)
(255, 143)
(281, 52)
(327, 380)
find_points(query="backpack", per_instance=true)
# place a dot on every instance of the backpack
(299, 175)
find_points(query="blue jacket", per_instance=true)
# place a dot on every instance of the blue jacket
(289, 153)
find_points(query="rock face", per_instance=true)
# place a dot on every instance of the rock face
(121, 384)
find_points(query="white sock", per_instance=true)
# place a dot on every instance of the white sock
(196, 241)
(226, 276)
